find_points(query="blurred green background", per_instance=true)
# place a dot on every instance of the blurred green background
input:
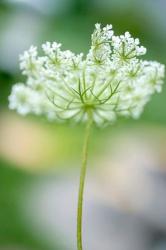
(39, 161)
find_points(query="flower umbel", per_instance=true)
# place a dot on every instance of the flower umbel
(110, 81)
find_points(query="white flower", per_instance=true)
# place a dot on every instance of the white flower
(30, 63)
(125, 47)
(110, 81)
(23, 99)
(27, 100)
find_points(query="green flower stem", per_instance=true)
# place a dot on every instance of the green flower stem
(82, 184)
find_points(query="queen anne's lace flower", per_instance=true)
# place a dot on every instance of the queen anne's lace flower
(110, 81)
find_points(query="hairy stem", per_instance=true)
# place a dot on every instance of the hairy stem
(82, 184)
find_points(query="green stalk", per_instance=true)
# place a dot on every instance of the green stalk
(82, 184)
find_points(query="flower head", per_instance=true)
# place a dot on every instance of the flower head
(110, 81)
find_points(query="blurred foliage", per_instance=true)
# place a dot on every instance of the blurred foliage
(13, 230)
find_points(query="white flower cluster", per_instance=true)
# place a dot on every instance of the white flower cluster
(110, 81)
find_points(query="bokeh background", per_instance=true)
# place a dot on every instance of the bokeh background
(125, 196)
